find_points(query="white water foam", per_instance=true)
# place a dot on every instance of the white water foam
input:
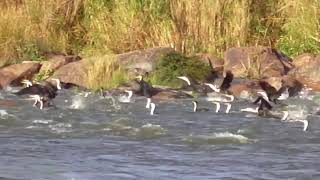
(218, 138)
(61, 128)
(77, 102)
(42, 121)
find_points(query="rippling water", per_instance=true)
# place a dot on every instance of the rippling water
(94, 138)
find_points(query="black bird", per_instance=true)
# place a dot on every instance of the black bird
(213, 75)
(225, 85)
(47, 90)
(264, 109)
(145, 89)
(272, 93)
(294, 86)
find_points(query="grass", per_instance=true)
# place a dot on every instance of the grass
(105, 73)
(43, 75)
(302, 27)
(173, 65)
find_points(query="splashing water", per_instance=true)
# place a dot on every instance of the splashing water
(77, 103)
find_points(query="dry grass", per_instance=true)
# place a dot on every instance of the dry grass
(105, 73)
(90, 27)
(301, 27)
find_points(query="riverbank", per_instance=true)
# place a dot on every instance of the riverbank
(163, 65)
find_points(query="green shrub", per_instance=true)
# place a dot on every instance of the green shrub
(301, 28)
(170, 66)
(43, 75)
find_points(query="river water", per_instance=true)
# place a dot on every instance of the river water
(86, 138)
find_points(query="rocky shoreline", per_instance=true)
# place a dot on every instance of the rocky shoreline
(248, 64)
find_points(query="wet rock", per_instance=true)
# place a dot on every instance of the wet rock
(73, 73)
(7, 103)
(142, 60)
(257, 62)
(56, 61)
(307, 68)
(13, 74)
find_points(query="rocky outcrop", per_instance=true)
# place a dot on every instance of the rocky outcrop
(13, 74)
(54, 62)
(244, 89)
(141, 61)
(73, 73)
(307, 68)
(257, 62)
(216, 62)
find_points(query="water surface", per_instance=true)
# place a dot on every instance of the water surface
(97, 139)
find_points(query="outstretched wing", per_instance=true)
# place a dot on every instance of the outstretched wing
(264, 104)
(35, 89)
(270, 90)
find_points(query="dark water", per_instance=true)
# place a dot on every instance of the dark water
(102, 140)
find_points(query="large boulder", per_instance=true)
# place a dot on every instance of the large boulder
(73, 73)
(54, 62)
(217, 63)
(307, 69)
(13, 74)
(141, 61)
(256, 62)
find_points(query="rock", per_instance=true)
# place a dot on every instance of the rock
(274, 81)
(142, 60)
(73, 73)
(7, 103)
(256, 62)
(307, 68)
(216, 62)
(13, 74)
(56, 61)
(244, 89)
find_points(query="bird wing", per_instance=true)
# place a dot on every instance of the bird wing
(270, 90)
(226, 83)
(264, 104)
(35, 89)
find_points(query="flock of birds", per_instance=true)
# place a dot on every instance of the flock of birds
(267, 100)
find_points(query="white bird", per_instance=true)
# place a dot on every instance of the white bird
(285, 115)
(228, 107)
(305, 124)
(37, 99)
(217, 106)
(148, 103)
(152, 108)
(284, 95)
(26, 82)
(253, 110)
(213, 87)
(185, 79)
(58, 83)
(221, 98)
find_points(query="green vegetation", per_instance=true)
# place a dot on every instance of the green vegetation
(173, 65)
(105, 73)
(90, 27)
(43, 75)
